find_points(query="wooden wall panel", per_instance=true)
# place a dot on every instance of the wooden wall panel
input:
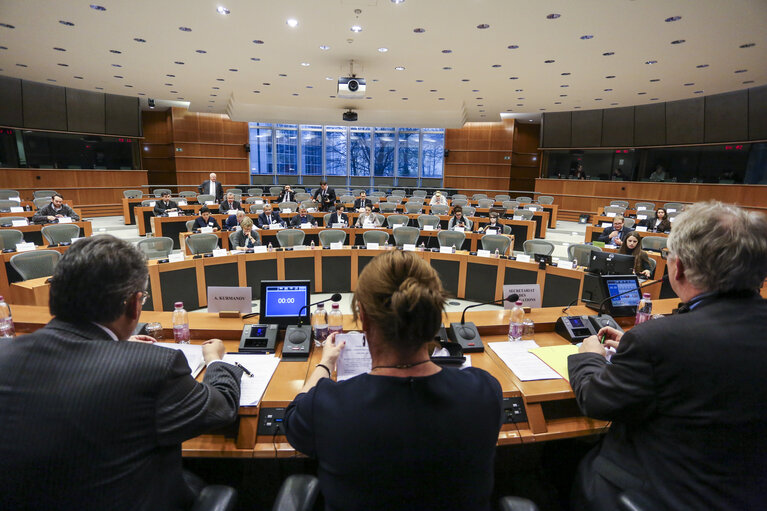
(83, 187)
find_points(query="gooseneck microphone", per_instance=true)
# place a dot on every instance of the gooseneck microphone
(466, 334)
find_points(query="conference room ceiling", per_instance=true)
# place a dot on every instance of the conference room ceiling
(428, 63)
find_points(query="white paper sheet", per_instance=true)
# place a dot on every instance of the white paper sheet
(192, 352)
(262, 367)
(522, 363)
(355, 357)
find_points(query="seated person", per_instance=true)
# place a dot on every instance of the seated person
(660, 223)
(55, 210)
(408, 434)
(244, 238)
(339, 217)
(368, 218)
(269, 217)
(233, 222)
(303, 217)
(229, 204)
(615, 233)
(438, 198)
(642, 264)
(362, 202)
(659, 174)
(325, 196)
(287, 195)
(205, 220)
(494, 227)
(458, 220)
(164, 206)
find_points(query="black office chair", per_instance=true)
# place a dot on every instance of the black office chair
(517, 504)
(633, 500)
(216, 498)
(297, 493)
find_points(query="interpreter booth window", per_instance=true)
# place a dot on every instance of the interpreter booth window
(9, 156)
(261, 148)
(311, 149)
(46, 150)
(336, 148)
(384, 151)
(432, 153)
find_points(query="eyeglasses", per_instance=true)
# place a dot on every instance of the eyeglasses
(145, 297)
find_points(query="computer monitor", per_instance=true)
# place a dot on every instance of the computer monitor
(281, 301)
(610, 263)
(597, 288)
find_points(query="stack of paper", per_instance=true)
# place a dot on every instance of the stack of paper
(262, 367)
(525, 365)
(192, 352)
(556, 357)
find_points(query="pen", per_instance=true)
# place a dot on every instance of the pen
(601, 341)
(245, 369)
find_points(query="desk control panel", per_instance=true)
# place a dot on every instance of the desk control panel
(270, 421)
(258, 338)
(514, 409)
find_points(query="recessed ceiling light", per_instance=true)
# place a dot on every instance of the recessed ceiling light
(185, 29)
(397, 1)
(324, 47)
(447, 51)
(553, 16)
(464, 79)
(747, 82)
(22, 65)
(698, 92)
(356, 28)
(404, 99)
(392, 90)
(219, 79)
(98, 7)
(295, 93)
(608, 90)
(216, 88)
(117, 52)
(255, 59)
(701, 66)
(178, 62)
(99, 88)
(688, 84)
(566, 74)
(305, 64)
(171, 76)
(564, 85)
(169, 85)
(678, 41)
(483, 26)
(51, 80)
(283, 75)
(557, 102)
(651, 62)
(520, 104)
(641, 93)
(419, 30)
(513, 78)
(257, 41)
(549, 61)
(62, 65)
(214, 95)
(118, 76)
(222, 10)
(447, 68)
(419, 81)
(310, 86)
(513, 46)
(673, 18)
(67, 23)
(597, 99)
(201, 51)
(520, 98)
(654, 99)
(563, 95)
(518, 90)
(741, 71)
(441, 99)
(496, 65)
(608, 53)
(78, 77)
(328, 78)
(256, 92)
(383, 49)
(266, 83)
(57, 49)
(292, 22)
(610, 76)
(586, 37)
(747, 45)
(655, 80)
(432, 90)
(576, 107)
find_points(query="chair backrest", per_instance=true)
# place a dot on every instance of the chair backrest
(533, 207)
(459, 202)
(673, 205)
(524, 199)
(35, 264)
(653, 265)
(292, 206)
(506, 229)
(451, 238)
(346, 199)
(159, 191)
(9, 238)
(387, 207)
(622, 203)
(424, 220)
(581, 252)
(381, 218)
(657, 243)
(7, 221)
(205, 197)
(671, 215)
(478, 196)
(302, 196)
(644, 205)
(510, 205)
(6, 205)
(405, 235)
(469, 210)
(545, 199)
(629, 222)
(326, 219)
(255, 191)
(58, 233)
(202, 243)
(458, 196)
(44, 194)
(275, 190)
(256, 208)
(144, 203)
(526, 214)
(187, 194)
(485, 203)
(290, 237)
(439, 209)
(419, 193)
(190, 225)
(399, 192)
(618, 210)
(395, 199)
(502, 197)
(41, 202)
(413, 207)
(253, 233)
(236, 191)
(358, 191)
(373, 236)
(8, 194)
(253, 199)
(533, 247)
(156, 248)
(133, 194)
(492, 242)
(308, 204)
(328, 236)
(393, 220)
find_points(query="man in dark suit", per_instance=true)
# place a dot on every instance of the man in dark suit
(303, 217)
(230, 204)
(55, 210)
(163, 206)
(233, 221)
(268, 217)
(362, 202)
(339, 217)
(325, 196)
(90, 420)
(287, 195)
(616, 233)
(686, 393)
(212, 187)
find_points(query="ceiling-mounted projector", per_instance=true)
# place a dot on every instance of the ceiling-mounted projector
(350, 116)
(351, 87)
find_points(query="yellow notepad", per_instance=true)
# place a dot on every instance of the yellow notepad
(556, 357)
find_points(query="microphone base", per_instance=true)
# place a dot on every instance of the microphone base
(467, 336)
(298, 342)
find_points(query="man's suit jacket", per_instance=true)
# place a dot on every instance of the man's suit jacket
(296, 221)
(225, 207)
(160, 207)
(326, 200)
(334, 219)
(686, 395)
(238, 239)
(262, 221)
(287, 196)
(205, 189)
(605, 236)
(231, 222)
(90, 423)
(42, 215)
(359, 203)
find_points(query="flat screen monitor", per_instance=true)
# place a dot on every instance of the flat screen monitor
(610, 263)
(625, 304)
(281, 301)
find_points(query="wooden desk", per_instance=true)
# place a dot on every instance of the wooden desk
(8, 276)
(593, 232)
(33, 232)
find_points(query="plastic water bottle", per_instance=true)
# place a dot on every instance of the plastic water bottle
(335, 320)
(454, 248)
(320, 324)
(180, 324)
(644, 309)
(516, 324)
(6, 321)
(312, 247)
(497, 255)
(270, 248)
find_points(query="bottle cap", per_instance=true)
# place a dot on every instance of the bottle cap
(179, 305)
(335, 306)
(646, 296)
(519, 302)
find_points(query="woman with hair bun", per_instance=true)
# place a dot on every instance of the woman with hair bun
(409, 434)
